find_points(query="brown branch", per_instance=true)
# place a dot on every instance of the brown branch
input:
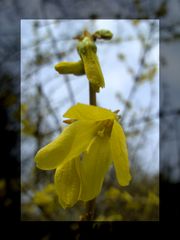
(90, 205)
(92, 95)
(134, 88)
(89, 213)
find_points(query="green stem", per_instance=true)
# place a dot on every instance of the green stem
(90, 205)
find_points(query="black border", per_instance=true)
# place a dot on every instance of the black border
(169, 205)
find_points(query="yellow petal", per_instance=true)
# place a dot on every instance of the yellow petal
(89, 112)
(87, 51)
(76, 68)
(93, 167)
(70, 143)
(119, 155)
(93, 70)
(67, 183)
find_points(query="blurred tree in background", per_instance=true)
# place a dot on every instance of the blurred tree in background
(130, 64)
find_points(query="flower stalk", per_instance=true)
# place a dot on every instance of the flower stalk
(90, 205)
(92, 95)
(90, 209)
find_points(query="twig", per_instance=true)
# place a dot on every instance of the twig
(90, 205)
(56, 50)
(89, 213)
(134, 88)
(92, 95)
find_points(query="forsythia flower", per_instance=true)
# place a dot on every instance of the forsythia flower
(87, 51)
(89, 63)
(83, 152)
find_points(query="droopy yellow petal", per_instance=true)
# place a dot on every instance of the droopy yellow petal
(119, 155)
(93, 167)
(67, 183)
(93, 70)
(87, 51)
(89, 112)
(70, 143)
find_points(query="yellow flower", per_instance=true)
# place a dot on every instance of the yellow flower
(83, 152)
(89, 63)
(87, 51)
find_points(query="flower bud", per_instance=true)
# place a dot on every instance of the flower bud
(103, 34)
